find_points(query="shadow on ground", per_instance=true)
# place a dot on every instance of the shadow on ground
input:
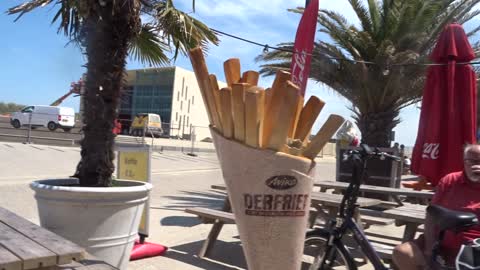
(224, 255)
(181, 221)
(211, 199)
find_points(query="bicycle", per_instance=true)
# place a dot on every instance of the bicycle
(325, 245)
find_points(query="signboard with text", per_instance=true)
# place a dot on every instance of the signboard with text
(133, 163)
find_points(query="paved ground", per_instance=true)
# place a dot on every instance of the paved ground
(179, 180)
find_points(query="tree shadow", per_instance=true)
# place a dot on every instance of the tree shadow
(211, 199)
(182, 221)
(223, 256)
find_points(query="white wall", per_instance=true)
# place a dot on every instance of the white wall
(185, 92)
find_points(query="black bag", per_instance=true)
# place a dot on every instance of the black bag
(468, 258)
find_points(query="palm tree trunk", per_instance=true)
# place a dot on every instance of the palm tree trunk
(106, 40)
(376, 128)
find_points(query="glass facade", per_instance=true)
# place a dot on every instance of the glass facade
(151, 92)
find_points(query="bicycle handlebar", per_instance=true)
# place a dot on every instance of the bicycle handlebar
(367, 152)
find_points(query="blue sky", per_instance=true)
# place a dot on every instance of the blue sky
(37, 66)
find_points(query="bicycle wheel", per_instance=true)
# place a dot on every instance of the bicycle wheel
(314, 250)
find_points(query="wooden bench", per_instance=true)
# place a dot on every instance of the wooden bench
(25, 245)
(220, 217)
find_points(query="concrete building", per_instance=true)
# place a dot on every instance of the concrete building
(170, 92)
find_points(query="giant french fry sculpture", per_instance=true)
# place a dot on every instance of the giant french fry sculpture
(267, 159)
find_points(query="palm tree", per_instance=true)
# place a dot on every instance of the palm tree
(391, 33)
(108, 31)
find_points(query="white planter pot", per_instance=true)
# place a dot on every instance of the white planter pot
(102, 220)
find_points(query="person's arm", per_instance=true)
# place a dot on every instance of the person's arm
(431, 230)
(431, 235)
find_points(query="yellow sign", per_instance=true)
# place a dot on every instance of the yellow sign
(134, 166)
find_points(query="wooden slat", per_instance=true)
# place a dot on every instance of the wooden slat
(273, 97)
(227, 120)
(378, 189)
(282, 110)
(85, 265)
(231, 67)
(308, 116)
(238, 109)
(65, 249)
(324, 198)
(226, 217)
(254, 110)
(216, 96)
(324, 134)
(335, 200)
(250, 77)
(8, 260)
(32, 254)
(201, 73)
(294, 123)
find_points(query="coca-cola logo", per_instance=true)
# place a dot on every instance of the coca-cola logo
(299, 62)
(281, 182)
(431, 150)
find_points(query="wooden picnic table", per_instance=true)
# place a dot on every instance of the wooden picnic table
(326, 205)
(410, 215)
(25, 245)
(423, 196)
(329, 201)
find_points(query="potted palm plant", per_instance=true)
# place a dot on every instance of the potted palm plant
(91, 208)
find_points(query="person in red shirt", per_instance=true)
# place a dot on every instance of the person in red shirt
(458, 191)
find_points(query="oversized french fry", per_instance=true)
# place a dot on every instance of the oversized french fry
(268, 97)
(232, 69)
(250, 77)
(201, 73)
(282, 112)
(254, 110)
(293, 125)
(238, 109)
(216, 95)
(307, 117)
(273, 96)
(227, 121)
(333, 123)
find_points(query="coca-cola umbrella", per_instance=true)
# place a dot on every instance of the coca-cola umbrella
(448, 115)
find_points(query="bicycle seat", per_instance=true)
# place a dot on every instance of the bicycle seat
(448, 219)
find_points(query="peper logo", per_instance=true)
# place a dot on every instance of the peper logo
(281, 182)
(431, 150)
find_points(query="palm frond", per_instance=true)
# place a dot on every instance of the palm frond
(27, 7)
(148, 48)
(181, 30)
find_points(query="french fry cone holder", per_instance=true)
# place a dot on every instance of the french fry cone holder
(270, 197)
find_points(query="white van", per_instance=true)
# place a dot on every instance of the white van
(51, 117)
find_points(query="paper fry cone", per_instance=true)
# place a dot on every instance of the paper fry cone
(270, 197)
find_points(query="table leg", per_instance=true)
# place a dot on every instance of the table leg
(214, 232)
(397, 200)
(410, 231)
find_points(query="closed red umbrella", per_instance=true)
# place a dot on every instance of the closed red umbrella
(448, 116)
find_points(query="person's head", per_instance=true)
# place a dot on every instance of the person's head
(471, 162)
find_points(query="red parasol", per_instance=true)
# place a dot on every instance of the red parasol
(448, 117)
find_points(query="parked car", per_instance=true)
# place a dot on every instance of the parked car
(51, 117)
(149, 123)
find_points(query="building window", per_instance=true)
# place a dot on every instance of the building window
(176, 116)
(189, 106)
(193, 100)
(183, 85)
(188, 120)
(178, 95)
(181, 105)
(186, 92)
